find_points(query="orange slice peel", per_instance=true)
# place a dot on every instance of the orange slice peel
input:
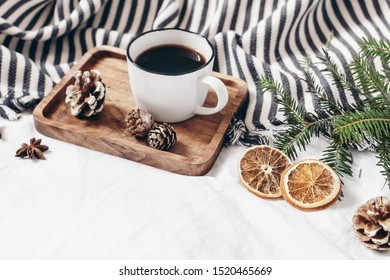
(310, 185)
(260, 168)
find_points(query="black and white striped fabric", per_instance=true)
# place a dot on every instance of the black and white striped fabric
(42, 39)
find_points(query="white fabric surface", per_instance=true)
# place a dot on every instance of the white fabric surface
(82, 204)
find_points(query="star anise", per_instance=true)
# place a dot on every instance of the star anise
(35, 149)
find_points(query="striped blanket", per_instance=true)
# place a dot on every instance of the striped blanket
(42, 39)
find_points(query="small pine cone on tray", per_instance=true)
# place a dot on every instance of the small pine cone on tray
(162, 136)
(86, 96)
(372, 223)
(139, 122)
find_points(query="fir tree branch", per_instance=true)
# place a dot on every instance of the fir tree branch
(386, 72)
(369, 120)
(376, 48)
(290, 108)
(329, 40)
(339, 78)
(371, 81)
(356, 126)
(384, 158)
(338, 157)
(297, 135)
(323, 126)
(328, 103)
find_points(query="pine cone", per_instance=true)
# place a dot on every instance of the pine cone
(161, 136)
(87, 95)
(372, 223)
(139, 122)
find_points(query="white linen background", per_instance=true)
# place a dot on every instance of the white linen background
(82, 204)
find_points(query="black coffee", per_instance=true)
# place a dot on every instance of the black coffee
(170, 59)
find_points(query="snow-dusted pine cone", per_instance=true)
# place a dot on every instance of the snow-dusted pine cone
(372, 223)
(161, 136)
(86, 96)
(139, 122)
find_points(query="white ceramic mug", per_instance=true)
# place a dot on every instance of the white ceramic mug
(174, 97)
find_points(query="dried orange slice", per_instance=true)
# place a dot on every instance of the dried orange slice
(260, 168)
(310, 185)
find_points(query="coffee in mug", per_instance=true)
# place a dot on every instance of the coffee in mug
(170, 72)
(170, 59)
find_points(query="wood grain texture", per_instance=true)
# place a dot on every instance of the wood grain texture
(200, 139)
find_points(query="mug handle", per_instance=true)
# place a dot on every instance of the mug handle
(220, 90)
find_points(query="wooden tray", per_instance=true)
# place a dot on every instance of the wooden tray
(200, 138)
